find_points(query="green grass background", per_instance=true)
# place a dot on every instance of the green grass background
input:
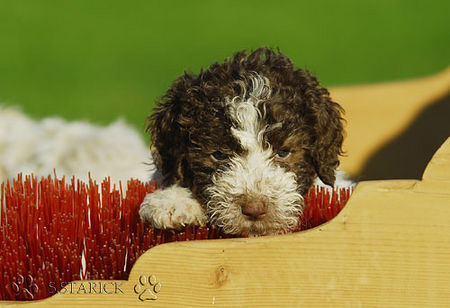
(101, 59)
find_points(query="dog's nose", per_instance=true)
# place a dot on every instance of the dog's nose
(254, 209)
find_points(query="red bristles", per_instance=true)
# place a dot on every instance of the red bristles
(50, 228)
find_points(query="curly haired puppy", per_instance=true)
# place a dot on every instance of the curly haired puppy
(240, 143)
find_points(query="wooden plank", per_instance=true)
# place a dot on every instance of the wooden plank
(376, 113)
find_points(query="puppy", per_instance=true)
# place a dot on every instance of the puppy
(239, 144)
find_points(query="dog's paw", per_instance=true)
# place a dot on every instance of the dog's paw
(172, 208)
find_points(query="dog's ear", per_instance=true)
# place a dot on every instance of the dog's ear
(329, 133)
(167, 140)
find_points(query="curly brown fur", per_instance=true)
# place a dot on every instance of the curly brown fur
(195, 142)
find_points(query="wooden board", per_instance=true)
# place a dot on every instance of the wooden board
(377, 113)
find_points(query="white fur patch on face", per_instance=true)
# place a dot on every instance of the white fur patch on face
(253, 174)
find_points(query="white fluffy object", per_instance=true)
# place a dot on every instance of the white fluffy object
(71, 148)
(342, 181)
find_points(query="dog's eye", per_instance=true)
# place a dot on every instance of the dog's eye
(219, 155)
(282, 154)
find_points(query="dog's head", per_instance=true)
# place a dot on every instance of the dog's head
(248, 137)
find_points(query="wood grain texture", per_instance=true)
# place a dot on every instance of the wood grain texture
(390, 246)
(377, 113)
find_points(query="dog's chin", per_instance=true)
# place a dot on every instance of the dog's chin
(259, 227)
(263, 226)
(244, 225)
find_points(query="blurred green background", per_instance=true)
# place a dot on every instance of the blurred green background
(99, 60)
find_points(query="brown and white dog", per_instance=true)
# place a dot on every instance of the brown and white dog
(239, 144)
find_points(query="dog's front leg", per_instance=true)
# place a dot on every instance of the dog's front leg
(172, 207)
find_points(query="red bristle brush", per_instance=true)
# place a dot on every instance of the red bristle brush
(50, 228)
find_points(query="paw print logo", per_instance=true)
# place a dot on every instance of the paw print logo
(147, 288)
(24, 288)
